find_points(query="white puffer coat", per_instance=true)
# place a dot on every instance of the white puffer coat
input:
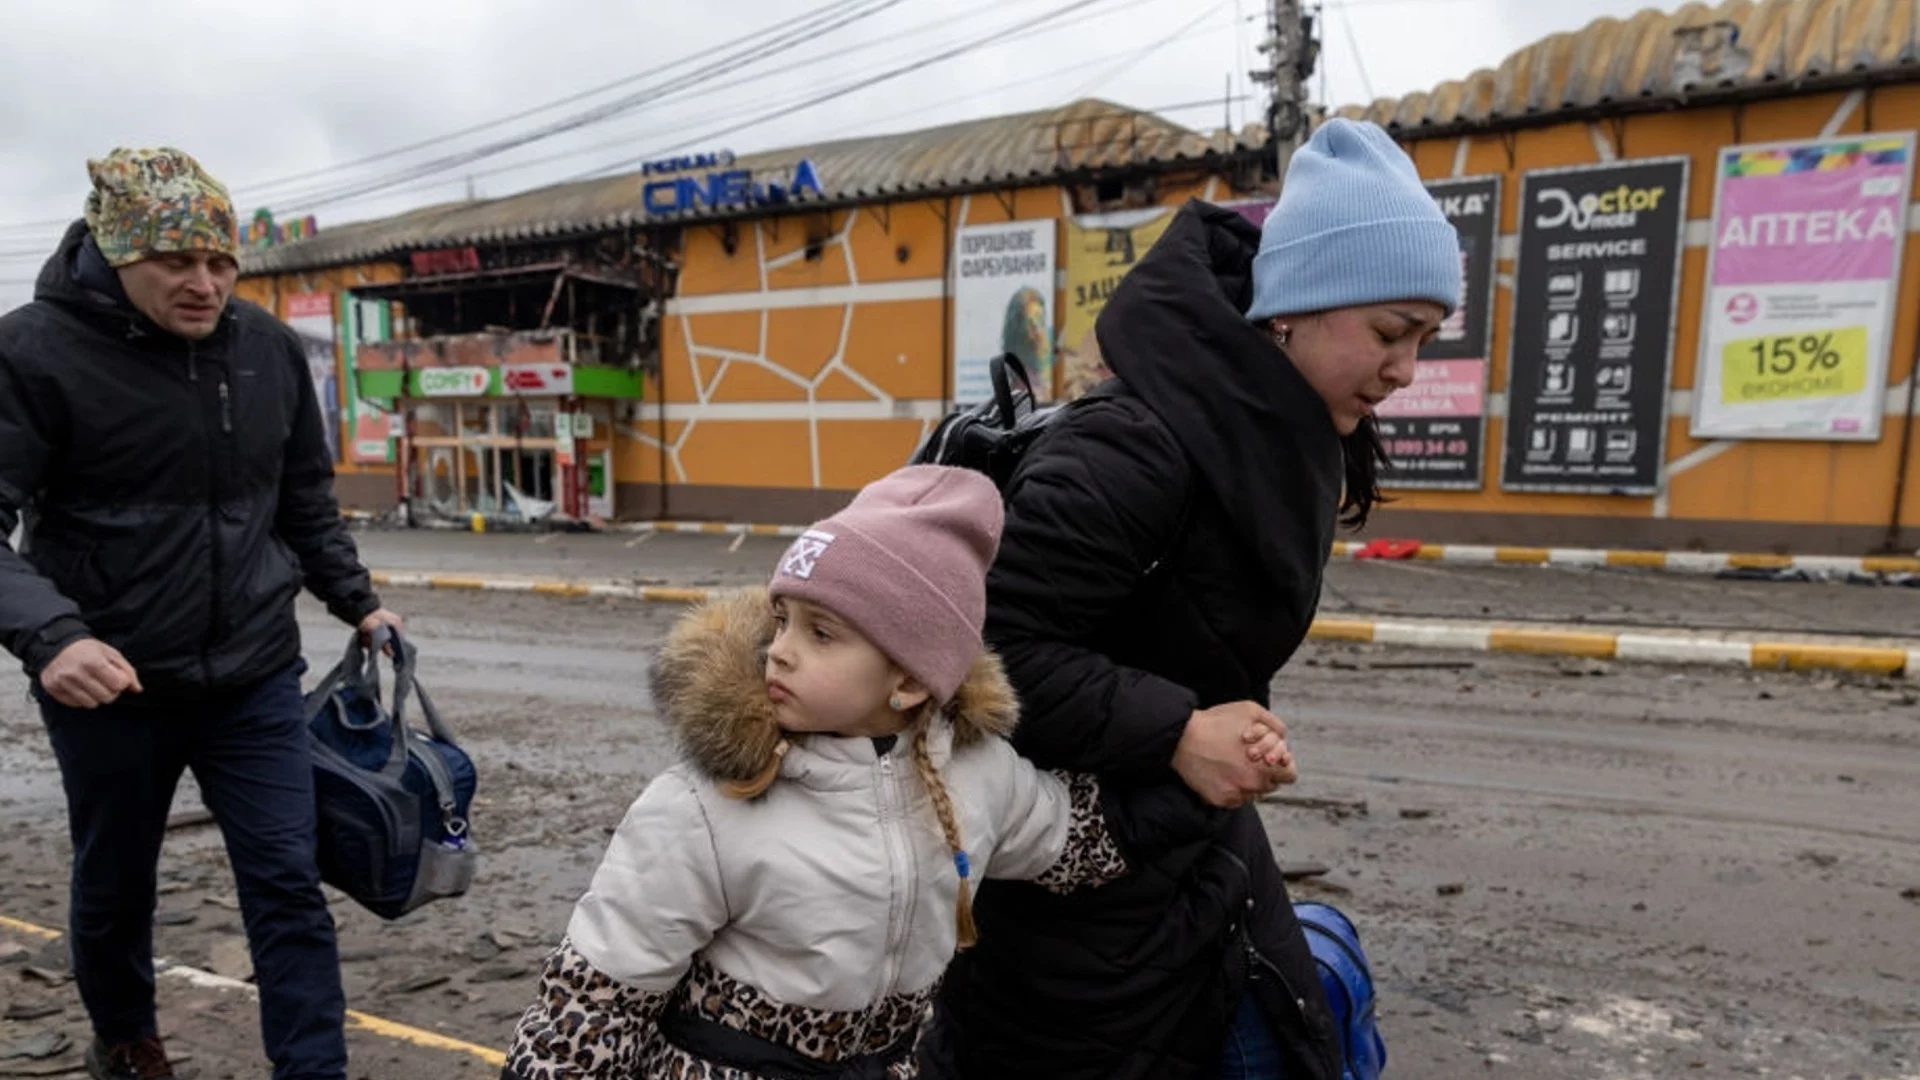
(817, 920)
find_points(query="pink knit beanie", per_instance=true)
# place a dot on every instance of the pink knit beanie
(906, 564)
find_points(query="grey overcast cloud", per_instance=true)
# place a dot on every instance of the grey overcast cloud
(270, 94)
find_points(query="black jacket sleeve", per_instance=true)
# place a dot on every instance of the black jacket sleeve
(309, 517)
(1096, 503)
(36, 621)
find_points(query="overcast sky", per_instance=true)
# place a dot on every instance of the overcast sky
(266, 91)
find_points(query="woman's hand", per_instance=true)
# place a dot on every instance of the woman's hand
(1223, 754)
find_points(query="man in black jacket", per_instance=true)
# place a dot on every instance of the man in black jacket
(165, 446)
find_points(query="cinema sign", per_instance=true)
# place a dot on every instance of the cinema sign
(722, 188)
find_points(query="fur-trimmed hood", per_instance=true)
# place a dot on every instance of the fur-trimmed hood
(709, 685)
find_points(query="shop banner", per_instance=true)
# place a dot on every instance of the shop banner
(1593, 320)
(1003, 302)
(1435, 430)
(1100, 252)
(1804, 274)
(310, 315)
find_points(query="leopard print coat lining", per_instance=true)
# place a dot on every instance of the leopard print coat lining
(586, 1026)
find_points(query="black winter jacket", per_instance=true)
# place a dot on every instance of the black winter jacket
(1163, 552)
(177, 493)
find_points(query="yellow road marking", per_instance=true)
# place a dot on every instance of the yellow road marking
(356, 1021)
(1639, 560)
(1342, 630)
(1521, 556)
(28, 929)
(1795, 657)
(1554, 643)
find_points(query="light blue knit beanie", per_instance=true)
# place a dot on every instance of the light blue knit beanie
(1353, 226)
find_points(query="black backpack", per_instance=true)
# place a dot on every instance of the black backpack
(991, 437)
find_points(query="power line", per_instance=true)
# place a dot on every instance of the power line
(628, 80)
(824, 20)
(1135, 57)
(705, 119)
(843, 91)
(598, 114)
(1353, 42)
(1007, 35)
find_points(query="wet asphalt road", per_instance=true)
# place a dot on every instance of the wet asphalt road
(1634, 874)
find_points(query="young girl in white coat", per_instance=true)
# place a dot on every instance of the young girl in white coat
(784, 901)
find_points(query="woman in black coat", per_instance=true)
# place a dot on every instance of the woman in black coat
(1162, 559)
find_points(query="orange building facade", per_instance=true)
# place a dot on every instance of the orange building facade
(805, 350)
(1687, 85)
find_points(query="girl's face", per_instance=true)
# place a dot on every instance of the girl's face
(826, 677)
(1357, 357)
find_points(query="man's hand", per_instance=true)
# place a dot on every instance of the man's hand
(88, 674)
(1224, 754)
(378, 619)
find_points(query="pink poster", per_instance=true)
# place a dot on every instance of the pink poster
(1806, 261)
(1441, 388)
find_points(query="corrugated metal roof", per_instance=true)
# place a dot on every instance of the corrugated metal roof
(1656, 58)
(1011, 150)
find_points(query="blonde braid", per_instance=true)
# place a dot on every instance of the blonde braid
(756, 785)
(965, 933)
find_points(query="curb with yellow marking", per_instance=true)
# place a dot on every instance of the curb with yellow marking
(356, 1021)
(1760, 655)
(1679, 562)
(1893, 658)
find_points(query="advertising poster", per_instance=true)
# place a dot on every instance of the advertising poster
(370, 426)
(1003, 302)
(310, 315)
(1435, 430)
(1595, 290)
(1100, 251)
(1803, 280)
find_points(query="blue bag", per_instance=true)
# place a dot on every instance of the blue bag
(393, 801)
(1348, 982)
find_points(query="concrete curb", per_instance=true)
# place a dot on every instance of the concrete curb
(1678, 562)
(1813, 653)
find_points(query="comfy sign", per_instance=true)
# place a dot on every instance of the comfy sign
(453, 382)
(537, 379)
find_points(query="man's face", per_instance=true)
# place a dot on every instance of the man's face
(184, 293)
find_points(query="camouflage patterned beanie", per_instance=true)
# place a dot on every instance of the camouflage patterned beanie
(152, 202)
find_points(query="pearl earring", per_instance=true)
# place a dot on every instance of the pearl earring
(896, 704)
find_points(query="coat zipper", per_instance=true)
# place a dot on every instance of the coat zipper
(901, 901)
(213, 510)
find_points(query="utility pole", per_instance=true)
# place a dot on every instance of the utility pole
(1291, 50)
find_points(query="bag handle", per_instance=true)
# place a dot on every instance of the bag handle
(360, 669)
(1003, 388)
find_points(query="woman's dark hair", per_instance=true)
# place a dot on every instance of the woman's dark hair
(1366, 459)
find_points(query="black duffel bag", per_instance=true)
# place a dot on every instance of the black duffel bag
(393, 801)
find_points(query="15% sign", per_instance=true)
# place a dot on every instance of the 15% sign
(1786, 367)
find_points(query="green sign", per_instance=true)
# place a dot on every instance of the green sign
(618, 384)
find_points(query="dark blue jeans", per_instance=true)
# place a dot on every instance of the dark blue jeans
(1251, 1052)
(248, 751)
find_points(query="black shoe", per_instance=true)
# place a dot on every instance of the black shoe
(142, 1059)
